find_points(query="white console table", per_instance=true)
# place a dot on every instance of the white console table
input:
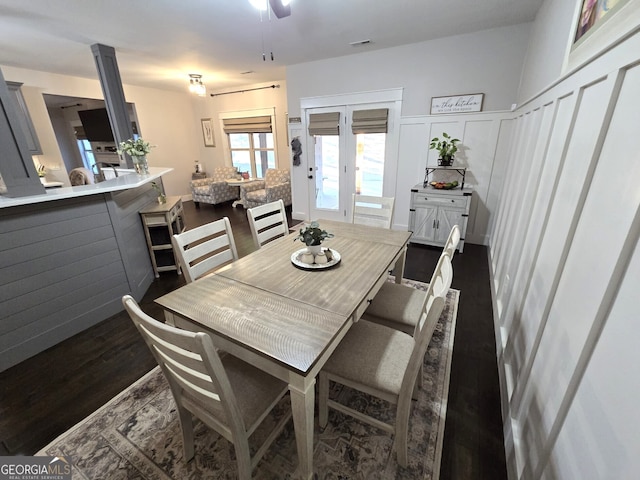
(433, 213)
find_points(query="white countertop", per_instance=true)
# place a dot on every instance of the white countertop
(125, 180)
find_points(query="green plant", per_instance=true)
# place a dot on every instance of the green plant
(312, 234)
(135, 148)
(446, 147)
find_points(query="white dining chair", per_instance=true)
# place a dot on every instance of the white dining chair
(385, 363)
(225, 393)
(204, 248)
(399, 306)
(267, 222)
(372, 211)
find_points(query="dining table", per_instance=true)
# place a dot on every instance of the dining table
(287, 320)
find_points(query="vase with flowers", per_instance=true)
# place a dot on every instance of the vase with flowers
(313, 236)
(137, 150)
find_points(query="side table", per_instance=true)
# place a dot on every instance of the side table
(198, 176)
(161, 221)
(238, 182)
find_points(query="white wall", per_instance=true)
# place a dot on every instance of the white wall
(547, 47)
(564, 259)
(212, 107)
(488, 62)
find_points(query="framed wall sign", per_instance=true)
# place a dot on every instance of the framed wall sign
(207, 132)
(457, 103)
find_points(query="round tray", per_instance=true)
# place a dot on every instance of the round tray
(444, 188)
(295, 259)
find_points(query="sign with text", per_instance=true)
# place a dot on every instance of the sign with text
(457, 103)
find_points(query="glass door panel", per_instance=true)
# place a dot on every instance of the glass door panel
(327, 173)
(370, 149)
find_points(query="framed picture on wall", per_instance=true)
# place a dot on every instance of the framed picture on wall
(599, 24)
(207, 132)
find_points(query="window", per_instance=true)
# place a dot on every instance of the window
(251, 144)
(252, 152)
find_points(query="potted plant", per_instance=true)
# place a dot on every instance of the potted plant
(446, 147)
(137, 150)
(313, 236)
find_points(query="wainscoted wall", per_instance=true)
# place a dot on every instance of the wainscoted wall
(566, 275)
(484, 140)
(64, 266)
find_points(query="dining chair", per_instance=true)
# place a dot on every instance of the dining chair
(399, 306)
(225, 393)
(384, 362)
(372, 211)
(267, 222)
(204, 248)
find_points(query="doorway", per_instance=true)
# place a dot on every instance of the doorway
(353, 150)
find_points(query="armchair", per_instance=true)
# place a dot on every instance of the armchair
(214, 189)
(275, 186)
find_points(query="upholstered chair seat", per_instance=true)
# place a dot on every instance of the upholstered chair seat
(214, 189)
(275, 186)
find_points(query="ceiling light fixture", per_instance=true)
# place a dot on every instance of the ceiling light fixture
(196, 86)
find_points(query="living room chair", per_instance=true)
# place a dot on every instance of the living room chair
(275, 186)
(204, 248)
(399, 306)
(225, 393)
(214, 189)
(372, 211)
(384, 362)
(267, 222)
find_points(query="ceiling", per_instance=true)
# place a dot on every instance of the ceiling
(158, 43)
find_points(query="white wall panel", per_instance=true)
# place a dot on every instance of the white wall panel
(599, 438)
(566, 408)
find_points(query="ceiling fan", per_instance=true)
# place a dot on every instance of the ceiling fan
(281, 8)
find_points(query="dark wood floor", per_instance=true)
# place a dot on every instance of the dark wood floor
(45, 395)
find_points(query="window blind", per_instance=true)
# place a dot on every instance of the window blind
(324, 123)
(248, 124)
(370, 121)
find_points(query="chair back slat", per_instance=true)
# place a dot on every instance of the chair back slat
(372, 211)
(205, 248)
(190, 363)
(451, 244)
(434, 304)
(268, 222)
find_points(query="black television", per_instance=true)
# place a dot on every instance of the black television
(96, 125)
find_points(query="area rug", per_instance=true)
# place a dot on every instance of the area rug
(137, 434)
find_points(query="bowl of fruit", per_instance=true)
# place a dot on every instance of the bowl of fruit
(444, 185)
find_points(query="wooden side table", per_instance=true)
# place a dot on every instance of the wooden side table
(161, 221)
(198, 176)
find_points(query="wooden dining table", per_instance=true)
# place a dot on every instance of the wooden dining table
(286, 320)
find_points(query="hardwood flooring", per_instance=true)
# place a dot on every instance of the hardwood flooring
(47, 394)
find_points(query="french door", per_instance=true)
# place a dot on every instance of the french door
(344, 163)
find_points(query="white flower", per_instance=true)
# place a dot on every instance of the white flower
(135, 148)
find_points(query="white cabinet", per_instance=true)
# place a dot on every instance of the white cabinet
(433, 213)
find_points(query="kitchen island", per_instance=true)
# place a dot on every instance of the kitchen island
(66, 259)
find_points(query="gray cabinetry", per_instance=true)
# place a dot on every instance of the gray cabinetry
(33, 144)
(161, 222)
(433, 213)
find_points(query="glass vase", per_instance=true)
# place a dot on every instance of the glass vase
(140, 164)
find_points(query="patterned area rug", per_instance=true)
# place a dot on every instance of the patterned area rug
(137, 434)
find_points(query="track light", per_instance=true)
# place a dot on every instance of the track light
(196, 86)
